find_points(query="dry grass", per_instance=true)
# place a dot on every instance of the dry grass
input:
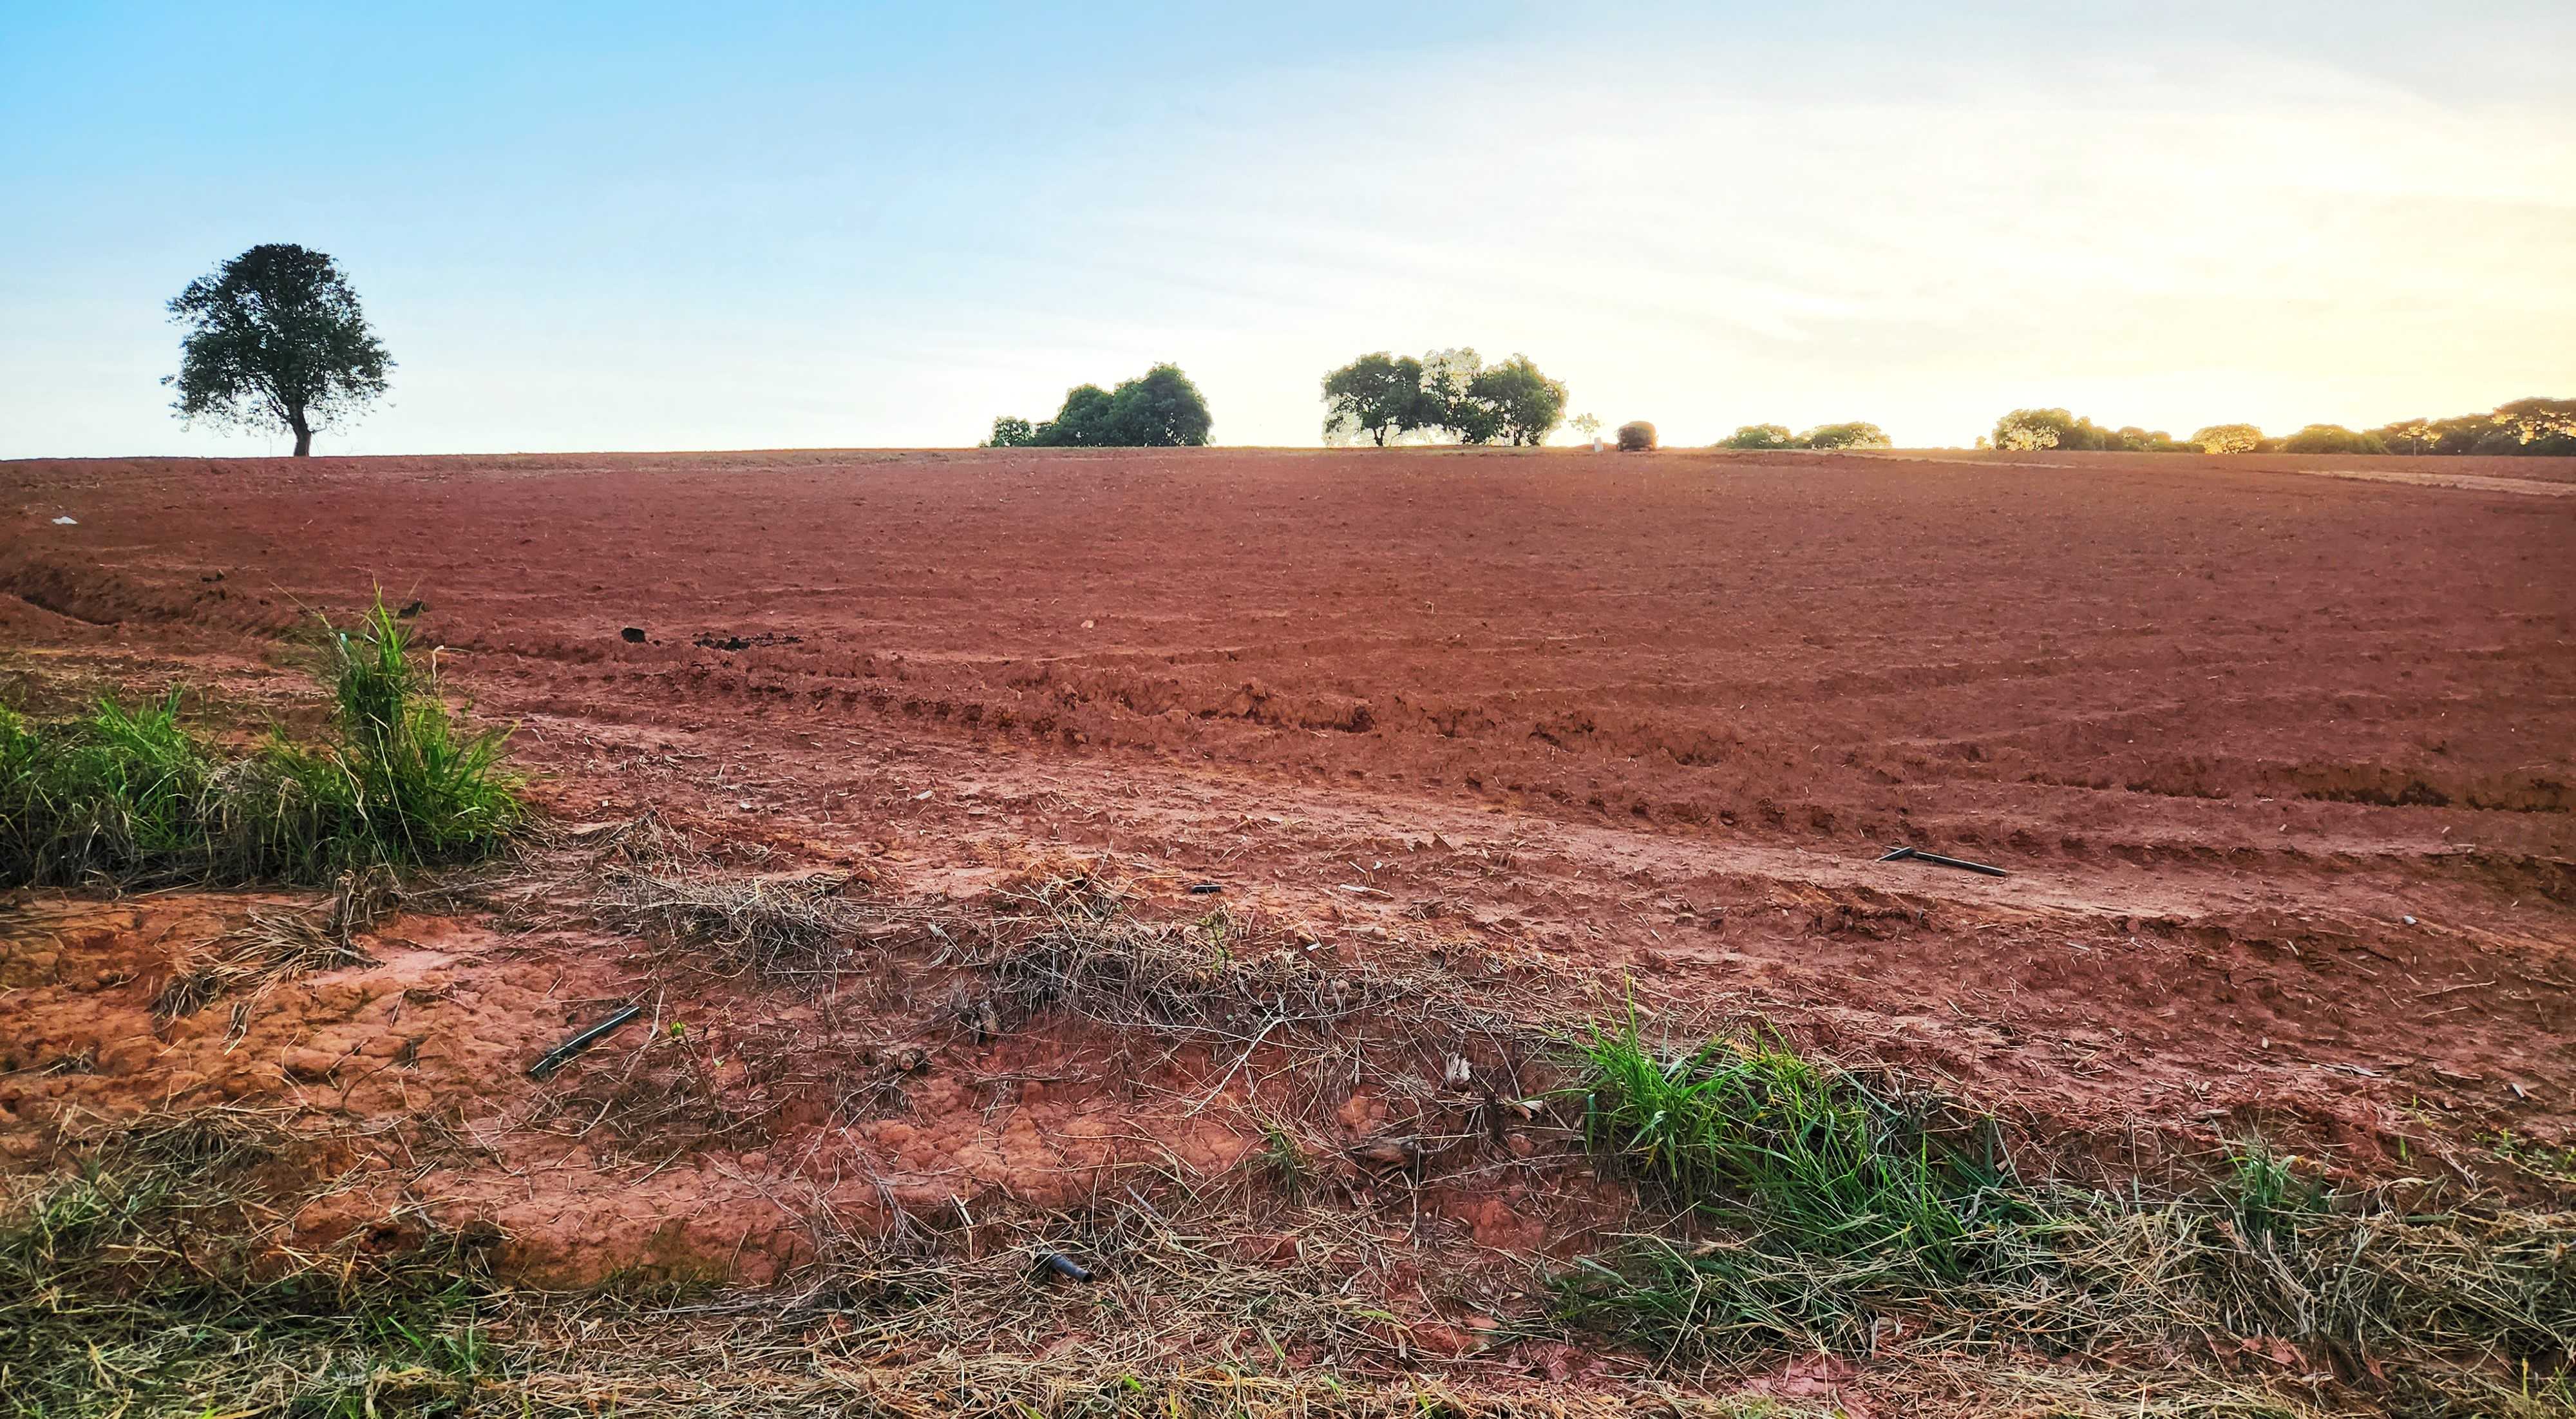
(771, 928)
(1818, 1215)
(281, 945)
(160, 1279)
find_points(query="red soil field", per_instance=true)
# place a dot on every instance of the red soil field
(2282, 766)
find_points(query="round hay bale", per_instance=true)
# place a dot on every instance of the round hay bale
(1636, 436)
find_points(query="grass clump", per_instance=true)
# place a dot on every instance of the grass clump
(1819, 1213)
(1827, 1165)
(132, 797)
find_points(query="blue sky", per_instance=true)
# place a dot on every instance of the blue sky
(603, 227)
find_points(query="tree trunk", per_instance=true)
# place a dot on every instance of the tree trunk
(303, 434)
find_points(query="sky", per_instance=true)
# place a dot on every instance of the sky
(760, 226)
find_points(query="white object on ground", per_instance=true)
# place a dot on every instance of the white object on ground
(66, 522)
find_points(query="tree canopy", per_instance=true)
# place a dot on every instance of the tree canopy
(1761, 436)
(1160, 408)
(276, 340)
(1445, 394)
(2227, 438)
(1527, 405)
(2332, 438)
(1377, 397)
(2524, 426)
(2025, 430)
(1852, 435)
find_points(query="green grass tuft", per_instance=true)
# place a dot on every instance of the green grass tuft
(1825, 1164)
(2265, 1195)
(1818, 1213)
(130, 796)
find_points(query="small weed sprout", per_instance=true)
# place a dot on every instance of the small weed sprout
(2265, 1196)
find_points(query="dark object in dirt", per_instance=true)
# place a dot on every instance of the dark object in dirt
(1064, 1266)
(1904, 854)
(212, 576)
(1205, 888)
(411, 609)
(554, 1058)
(632, 635)
(715, 642)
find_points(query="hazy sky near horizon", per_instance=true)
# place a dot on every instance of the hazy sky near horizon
(672, 226)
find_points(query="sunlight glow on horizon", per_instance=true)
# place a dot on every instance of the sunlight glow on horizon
(840, 238)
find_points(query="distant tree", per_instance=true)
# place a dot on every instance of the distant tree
(1159, 409)
(1449, 401)
(2421, 436)
(1083, 421)
(2332, 438)
(1377, 397)
(2138, 440)
(1588, 425)
(275, 340)
(2227, 438)
(1761, 436)
(2532, 426)
(2028, 429)
(1637, 436)
(1853, 435)
(1527, 405)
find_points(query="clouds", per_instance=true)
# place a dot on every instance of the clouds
(887, 236)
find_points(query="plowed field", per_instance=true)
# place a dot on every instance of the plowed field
(2282, 769)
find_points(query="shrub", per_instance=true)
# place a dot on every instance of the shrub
(1637, 436)
(132, 796)
(1761, 436)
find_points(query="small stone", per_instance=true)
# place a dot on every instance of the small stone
(632, 635)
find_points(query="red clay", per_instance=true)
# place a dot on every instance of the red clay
(2280, 765)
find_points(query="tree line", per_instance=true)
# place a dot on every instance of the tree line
(275, 338)
(1852, 435)
(2524, 426)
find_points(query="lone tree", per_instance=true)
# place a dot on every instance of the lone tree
(275, 340)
